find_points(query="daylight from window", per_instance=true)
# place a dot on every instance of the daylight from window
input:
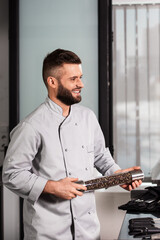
(136, 84)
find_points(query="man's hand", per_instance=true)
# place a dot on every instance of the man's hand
(134, 184)
(65, 188)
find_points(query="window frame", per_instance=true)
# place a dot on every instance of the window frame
(105, 36)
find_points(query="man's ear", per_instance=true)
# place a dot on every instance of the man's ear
(52, 82)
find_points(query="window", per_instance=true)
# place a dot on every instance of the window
(136, 85)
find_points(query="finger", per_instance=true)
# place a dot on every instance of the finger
(124, 186)
(130, 188)
(77, 185)
(73, 179)
(80, 187)
(136, 167)
(71, 196)
(129, 169)
(134, 185)
(78, 193)
(75, 193)
(133, 168)
(137, 183)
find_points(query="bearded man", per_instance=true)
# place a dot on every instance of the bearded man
(58, 144)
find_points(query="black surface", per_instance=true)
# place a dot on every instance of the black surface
(105, 70)
(13, 63)
(124, 229)
(1, 205)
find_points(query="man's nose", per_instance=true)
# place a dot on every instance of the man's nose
(80, 83)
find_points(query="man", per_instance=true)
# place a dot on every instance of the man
(58, 144)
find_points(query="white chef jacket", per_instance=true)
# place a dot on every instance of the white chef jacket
(48, 146)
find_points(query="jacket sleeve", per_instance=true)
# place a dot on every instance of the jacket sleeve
(17, 168)
(103, 160)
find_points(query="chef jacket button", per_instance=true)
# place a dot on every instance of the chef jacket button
(76, 124)
(75, 218)
(70, 173)
(86, 169)
(66, 150)
(89, 212)
(82, 146)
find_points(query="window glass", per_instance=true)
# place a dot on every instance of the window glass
(136, 85)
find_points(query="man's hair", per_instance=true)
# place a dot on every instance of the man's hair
(54, 60)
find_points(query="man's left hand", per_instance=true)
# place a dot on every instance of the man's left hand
(134, 184)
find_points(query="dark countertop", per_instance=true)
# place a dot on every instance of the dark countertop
(124, 229)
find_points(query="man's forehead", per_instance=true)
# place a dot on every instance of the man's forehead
(72, 68)
(72, 65)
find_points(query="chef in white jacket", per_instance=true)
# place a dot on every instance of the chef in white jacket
(56, 145)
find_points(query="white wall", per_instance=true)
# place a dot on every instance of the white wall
(11, 215)
(111, 218)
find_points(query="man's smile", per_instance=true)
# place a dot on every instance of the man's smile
(77, 92)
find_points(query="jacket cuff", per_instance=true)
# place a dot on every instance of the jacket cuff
(37, 189)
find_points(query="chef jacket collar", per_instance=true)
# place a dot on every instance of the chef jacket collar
(55, 107)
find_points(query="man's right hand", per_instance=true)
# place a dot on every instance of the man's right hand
(66, 188)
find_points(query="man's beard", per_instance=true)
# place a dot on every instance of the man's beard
(65, 96)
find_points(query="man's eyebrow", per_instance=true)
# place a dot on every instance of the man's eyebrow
(73, 76)
(76, 76)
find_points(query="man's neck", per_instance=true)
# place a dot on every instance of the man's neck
(65, 108)
(66, 111)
